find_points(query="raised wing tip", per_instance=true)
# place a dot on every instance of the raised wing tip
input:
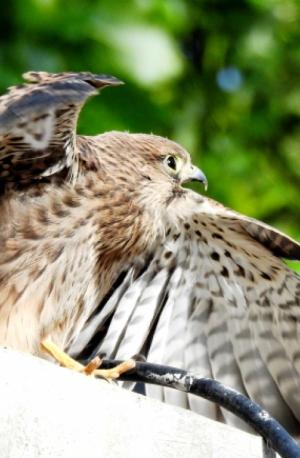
(104, 80)
(93, 79)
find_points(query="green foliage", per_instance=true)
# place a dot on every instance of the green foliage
(171, 53)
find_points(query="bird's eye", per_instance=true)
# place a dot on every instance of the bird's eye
(171, 162)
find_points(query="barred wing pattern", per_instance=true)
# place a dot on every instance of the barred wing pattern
(38, 123)
(214, 299)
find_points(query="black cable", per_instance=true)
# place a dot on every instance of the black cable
(273, 433)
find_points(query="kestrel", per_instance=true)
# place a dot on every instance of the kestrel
(74, 210)
(105, 220)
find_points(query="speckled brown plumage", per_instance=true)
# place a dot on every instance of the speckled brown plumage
(105, 220)
(73, 209)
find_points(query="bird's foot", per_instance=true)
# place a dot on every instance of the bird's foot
(92, 368)
(60, 356)
(115, 372)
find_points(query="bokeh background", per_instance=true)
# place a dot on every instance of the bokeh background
(221, 77)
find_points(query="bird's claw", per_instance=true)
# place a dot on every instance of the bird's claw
(92, 368)
(115, 372)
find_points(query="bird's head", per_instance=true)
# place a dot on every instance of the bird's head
(150, 158)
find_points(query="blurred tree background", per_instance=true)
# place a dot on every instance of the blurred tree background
(219, 76)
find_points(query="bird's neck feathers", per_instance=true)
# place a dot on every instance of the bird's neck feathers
(182, 206)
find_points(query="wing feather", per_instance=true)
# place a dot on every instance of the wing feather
(122, 317)
(100, 317)
(38, 123)
(225, 305)
(141, 320)
(159, 342)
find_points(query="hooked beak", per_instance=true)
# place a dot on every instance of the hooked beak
(195, 174)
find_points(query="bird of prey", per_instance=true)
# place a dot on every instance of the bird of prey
(102, 249)
(74, 210)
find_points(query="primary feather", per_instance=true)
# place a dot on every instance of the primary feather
(229, 308)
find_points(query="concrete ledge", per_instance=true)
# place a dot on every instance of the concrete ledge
(48, 411)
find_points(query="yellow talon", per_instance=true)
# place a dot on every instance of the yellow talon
(60, 356)
(92, 368)
(115, 372)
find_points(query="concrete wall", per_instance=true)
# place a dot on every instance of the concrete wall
(48, 411)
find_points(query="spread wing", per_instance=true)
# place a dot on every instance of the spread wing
(214, 299)
(38, 123)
